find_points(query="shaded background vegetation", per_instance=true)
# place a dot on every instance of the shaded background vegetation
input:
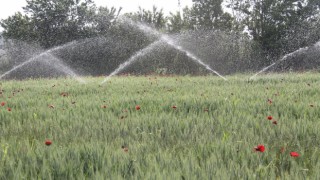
(250, 35)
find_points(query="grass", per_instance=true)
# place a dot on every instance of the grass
(211, 134)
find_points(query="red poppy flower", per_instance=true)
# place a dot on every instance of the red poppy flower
(174, 107)
(269, 117)
(9, 109)
(3, 103)
(48, 142)
(294, 154)
(274, 122)
(260, 148)
(138, 107)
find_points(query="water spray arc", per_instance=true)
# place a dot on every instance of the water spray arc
(163, 38)
(62, 67)
(140, 53)
(59, 65)
(173, 44)
(284, 58)
(169, 41)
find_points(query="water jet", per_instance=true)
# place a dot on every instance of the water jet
(285, 57)
(164, 38)
(60, 66)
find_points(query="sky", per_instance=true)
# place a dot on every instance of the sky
(9, 7)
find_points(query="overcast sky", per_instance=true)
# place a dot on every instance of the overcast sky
(9, 7)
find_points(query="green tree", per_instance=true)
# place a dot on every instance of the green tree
(105, 19)
(154, 18)
(268, 21)
(209, 15)
(60, 21)
(18, 26)
(175, 22)
(178, 21)
(52, 22)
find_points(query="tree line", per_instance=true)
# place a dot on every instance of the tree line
(249, 35)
